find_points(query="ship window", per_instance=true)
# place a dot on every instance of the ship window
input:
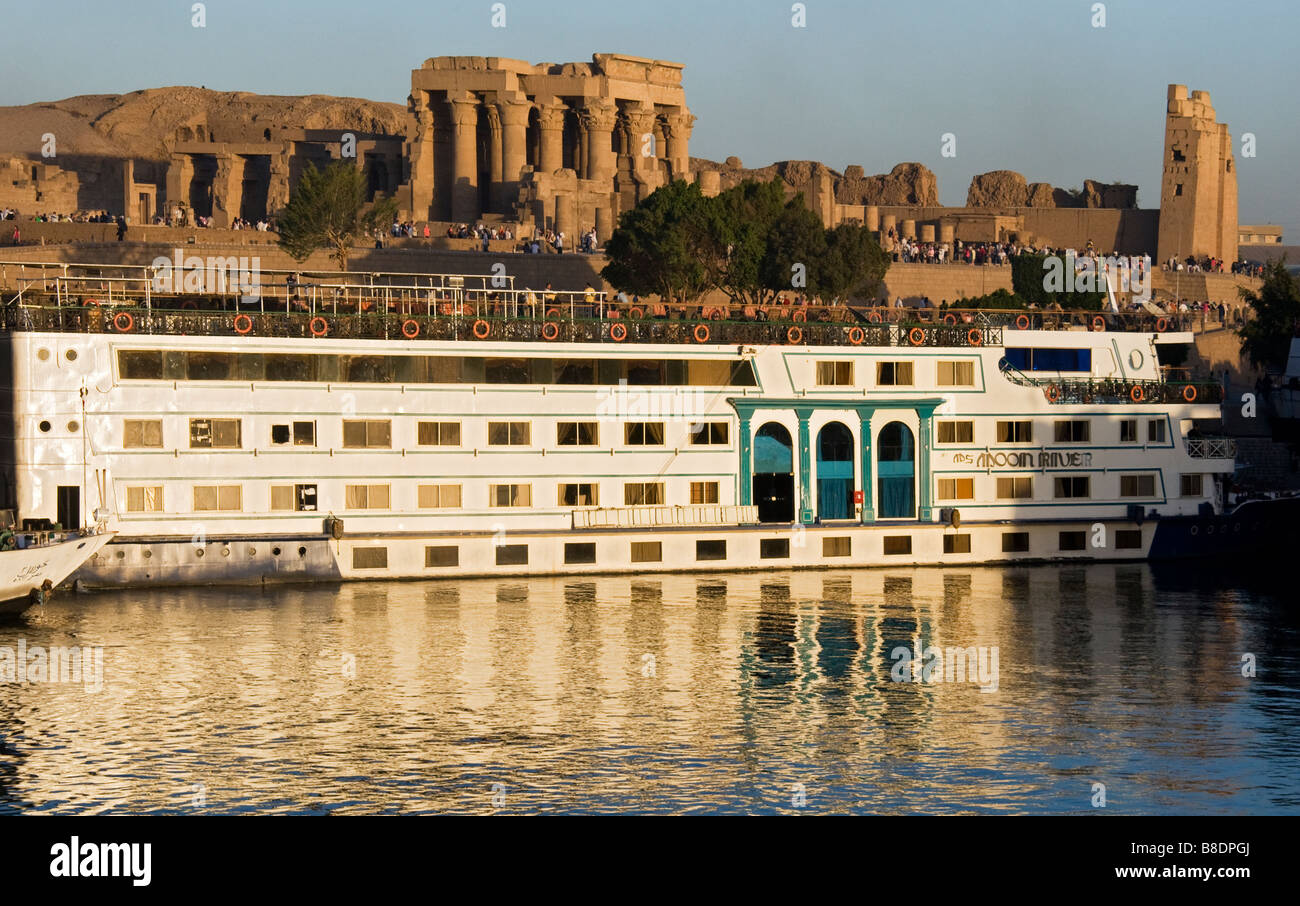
(443, 555)
(956, 544)
(1156, 431)
(711, 550)
(144, 500)
(774, 548)
(1015, 432)
(580, 552)
(367, 497)
(304, 434)
(704, 492)
(708, 432)
(956, 432)
(290, 367)
(1128, 539)
(142, 433)
(140, 364)
(280, 434)
(226, 497)
(438, 496)
(512, 555)
(1192, 485)
(369, 558)
(369, 369)
(577, 434)
(898, 544)
(1025, 358)
(1015, 487)
(1137, 486)
(369, 433)
(1073, 541)
(294, 497)
(575, 371)
(647, 552)
(837, 546)
(957, 374)
(894, 374)
(643, 434)
(645, 373)
(956, 488)
(1015, 542)
(1073, 431)
(834, 374)
(509, 434)
(222, 433)
(507, 371)
(209, 366)
(1128, 431)
(577, 494)
(1071, 486)
(438, 434)
(510, 495)
(643, 493)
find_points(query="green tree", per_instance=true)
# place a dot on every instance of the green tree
(853, 266)
(796, 250)
(743, 218)
(327, 210)
(1266, 338)
(1030, 277)
(666, 245)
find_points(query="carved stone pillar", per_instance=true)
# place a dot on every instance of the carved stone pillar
(598, 123)
(514, 147)
(679, 138)
(464, 159)
(495, 189)
(550, 122)
(644, 150)
(420, 152)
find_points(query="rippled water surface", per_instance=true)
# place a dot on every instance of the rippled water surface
(765, 692)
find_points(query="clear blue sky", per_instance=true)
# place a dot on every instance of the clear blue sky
(1026, 85)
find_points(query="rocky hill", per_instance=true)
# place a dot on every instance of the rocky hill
(1007, 188)
(906, 184)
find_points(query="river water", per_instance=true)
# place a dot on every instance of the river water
(1115, 688)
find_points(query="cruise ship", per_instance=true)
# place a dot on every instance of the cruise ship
(418, 426)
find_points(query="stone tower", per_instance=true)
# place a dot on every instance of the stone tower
(1198, 191)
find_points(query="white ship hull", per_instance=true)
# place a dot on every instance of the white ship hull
(26, 576)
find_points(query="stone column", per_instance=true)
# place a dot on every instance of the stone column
(514, 147)
(598, 125)
(871, 215)
(641, 123)
(550, 122)
(679, 137)
(495, 193)
(464, 159)
(421, 154)
(805, 496)
(864, 441)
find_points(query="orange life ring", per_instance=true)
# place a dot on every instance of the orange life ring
(794, 336)
(617, 332)
(1022, 322)
(701, 333)
(799, 315)
(1136, 394)
(482, 329)
(1053, 393)
(318, 326)
(243, 323)
(551, 330)
(874, 317)
(1189, 393)
(1162, 324)
(91, 303)
(856, 335)
(410, 329)
(1099, 323)
(975, 337)
(189, 305)
(123, 322)
(635, 313)
(950, 319)
(552, 312)
(916, 336)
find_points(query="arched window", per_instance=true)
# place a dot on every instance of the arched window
(835, 472)
(896, 467)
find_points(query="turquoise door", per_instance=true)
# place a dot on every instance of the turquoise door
(895, 471)
(834, 472)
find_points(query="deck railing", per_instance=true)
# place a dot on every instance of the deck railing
(636, 516)
(1211, 448)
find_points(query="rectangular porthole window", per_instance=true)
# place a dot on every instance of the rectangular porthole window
(580, 552)
(576, 494)
(1015, 487)
(834, 374)
(710, 550)
(147, 499)
(438, 496)
(956, 374)
(442, 556)
(216, 433)
(1192, 485)
(512, 555)
(1015, 542)
(1128, 431)
(577, 434)
(142, 433)
(438, 434)
(369, 433)
(218, 498)
(1016, 432)
(704, 492)
(509, 434)
(643, 493)
(956, 432)
(647, 552)
(898, 544)
(510, 495)
(1156, 431)
(774, 548)
(368, 496)
(1137, 486)
(956, 488)
(1074, 541)
(1128, 539)
(1071, 486)
(1073, 431)
(643, 434)
(369, 558)
(894, 374)
(708, 433)
(956, 544)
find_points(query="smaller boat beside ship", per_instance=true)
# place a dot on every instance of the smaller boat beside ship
(33, 564)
